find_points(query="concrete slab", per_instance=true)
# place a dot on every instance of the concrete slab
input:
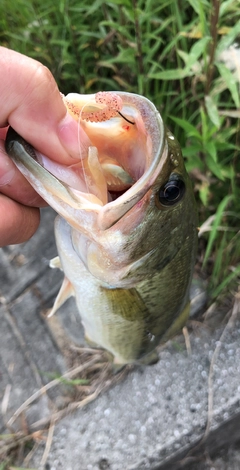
(153, 418)
(150, 420)
(22, 264)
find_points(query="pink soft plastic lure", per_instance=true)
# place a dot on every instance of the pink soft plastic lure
(103, 107)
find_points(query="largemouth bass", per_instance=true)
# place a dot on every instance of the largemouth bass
(127, 231)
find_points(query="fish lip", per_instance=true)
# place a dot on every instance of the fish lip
(25, 157)
(11, 138)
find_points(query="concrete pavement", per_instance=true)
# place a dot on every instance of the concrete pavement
(152, 419)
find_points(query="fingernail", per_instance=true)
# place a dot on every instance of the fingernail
(73, 137)
(7, 171)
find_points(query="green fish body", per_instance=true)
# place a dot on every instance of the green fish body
(127, 231)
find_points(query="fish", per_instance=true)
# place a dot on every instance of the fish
(126, 230)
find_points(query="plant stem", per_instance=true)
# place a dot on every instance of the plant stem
(138, 39)
(214, 16)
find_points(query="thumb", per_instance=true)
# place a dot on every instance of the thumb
(31, 103)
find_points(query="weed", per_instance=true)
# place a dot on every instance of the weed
(182, 55)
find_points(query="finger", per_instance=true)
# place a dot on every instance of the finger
(14, 185)
(18, 223)
(32, 105)
(3, 133)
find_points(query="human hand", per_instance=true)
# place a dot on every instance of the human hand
(32, 105)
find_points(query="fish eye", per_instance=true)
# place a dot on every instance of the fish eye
(171, 192)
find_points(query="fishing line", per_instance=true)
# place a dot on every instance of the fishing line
(128, 120)
(79, 142)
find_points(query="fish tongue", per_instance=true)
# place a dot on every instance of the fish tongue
(117, 178)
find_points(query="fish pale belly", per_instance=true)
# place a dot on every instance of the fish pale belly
(126, 322)
(114, 319)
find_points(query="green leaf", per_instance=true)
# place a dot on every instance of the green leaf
(105, 63)
(192, 151)
(67, 381)
(184, 56)
(125, 56)
(212, 111)
(216, 223)
(213, 166)
(190, 59)
(174, 74)
(189, 128)
(231, 84)
(98, 4)
(228, 39)
(226, 281)
(195, 5)
(204, 193)
(225, 6)
(126, 3)
(211, 149)
(193, 159)
(197, 50)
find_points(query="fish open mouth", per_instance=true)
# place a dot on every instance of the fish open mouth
(122, 148)
(114, 147)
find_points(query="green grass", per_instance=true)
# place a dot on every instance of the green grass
(179, 54)
(63, 380)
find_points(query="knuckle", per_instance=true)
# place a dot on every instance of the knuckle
(41, 83)
(43, 74)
